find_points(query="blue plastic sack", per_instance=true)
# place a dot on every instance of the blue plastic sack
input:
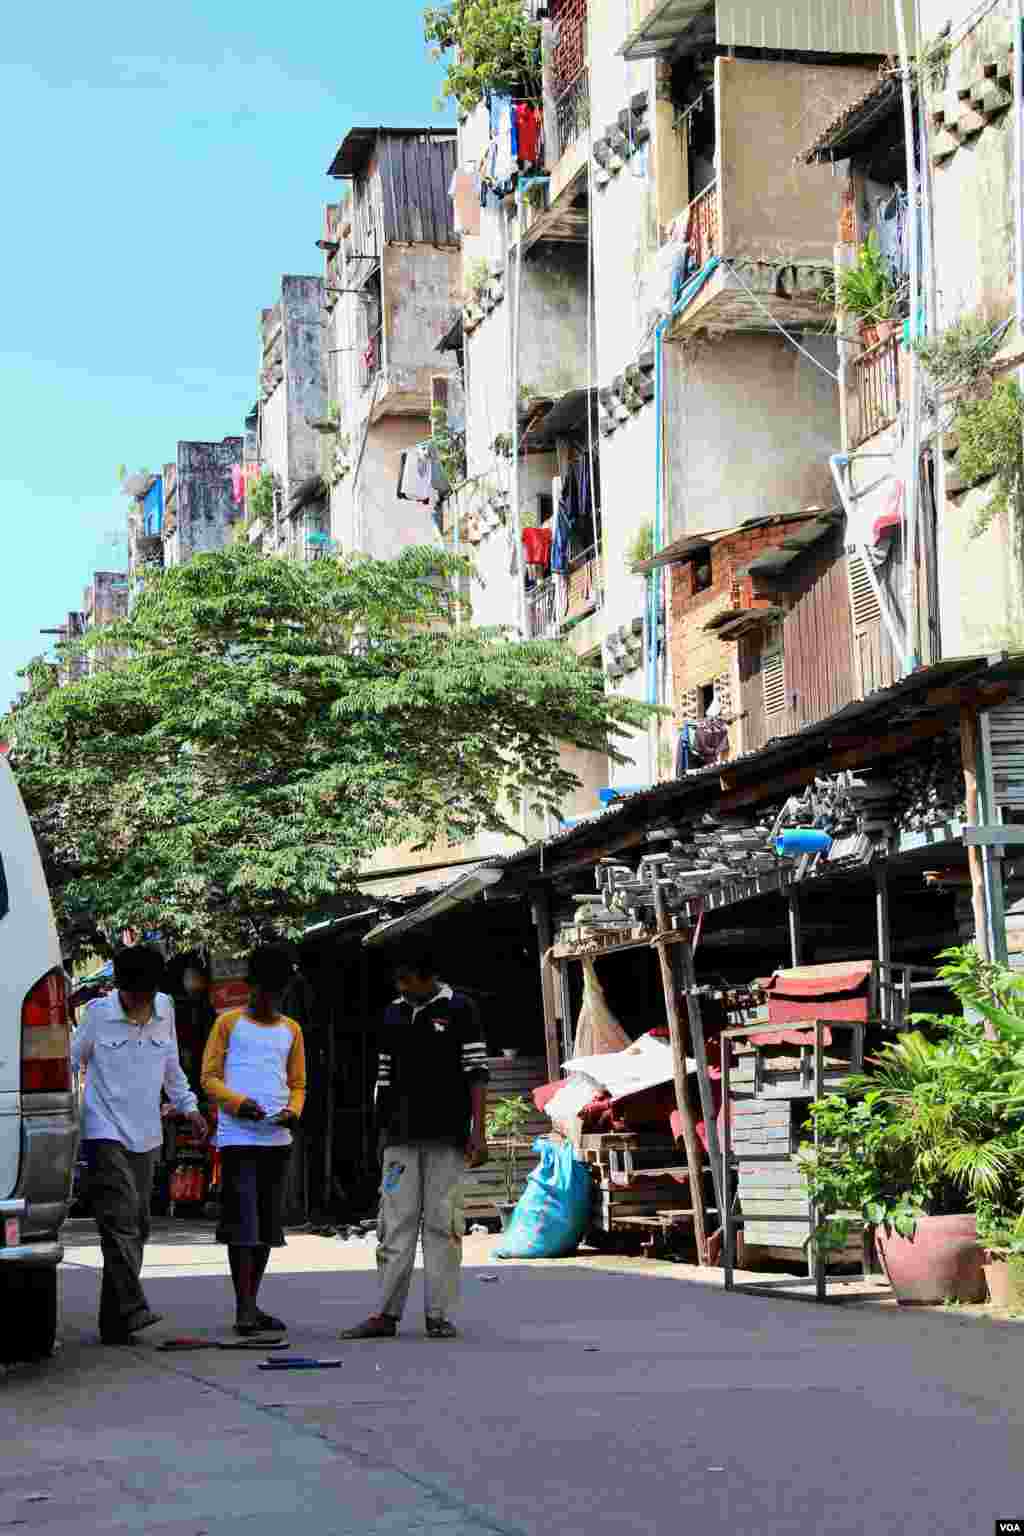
(553, 1213)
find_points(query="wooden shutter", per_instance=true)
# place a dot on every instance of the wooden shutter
(863, 602)
(773, 672)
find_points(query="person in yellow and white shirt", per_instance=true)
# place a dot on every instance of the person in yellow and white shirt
(254, 1069)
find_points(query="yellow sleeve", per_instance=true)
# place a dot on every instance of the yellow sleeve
(212, 1076)
(296, 1071)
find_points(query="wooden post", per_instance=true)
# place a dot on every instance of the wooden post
(677, 1038)
(975, 863)
(883, 941)
(795, 931)
(541, 906)
(331, 1066)
(366, 1117)
(993, 857)
(681, 957)
(818, 1258)
(728, 1216)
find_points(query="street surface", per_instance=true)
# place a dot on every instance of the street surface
(583, 1398)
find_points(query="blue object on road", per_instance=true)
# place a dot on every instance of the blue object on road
(553, 1213)
(298, 1363)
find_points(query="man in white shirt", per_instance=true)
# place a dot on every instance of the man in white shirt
(128, 1047)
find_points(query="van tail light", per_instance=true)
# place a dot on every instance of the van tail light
(46, 1037)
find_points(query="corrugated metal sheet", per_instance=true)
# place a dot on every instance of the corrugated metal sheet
(809, 26)
(414, 176)
(797, 26)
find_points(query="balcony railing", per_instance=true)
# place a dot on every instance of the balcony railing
(542, 611)
(874, 390)
(572, 112)
(584, 585)
(703, 226)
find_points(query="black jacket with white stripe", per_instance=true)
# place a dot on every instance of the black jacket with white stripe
(430, 1053)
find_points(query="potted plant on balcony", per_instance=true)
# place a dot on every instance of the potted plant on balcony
(506, 1123)
(931, 1138)
(867, 291)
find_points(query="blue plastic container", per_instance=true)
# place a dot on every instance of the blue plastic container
(796, 841)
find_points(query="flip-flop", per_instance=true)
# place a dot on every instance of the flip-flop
(267, 1341)
(263, 1324)
(174, 1346)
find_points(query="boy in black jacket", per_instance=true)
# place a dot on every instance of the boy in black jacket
(431, 1108)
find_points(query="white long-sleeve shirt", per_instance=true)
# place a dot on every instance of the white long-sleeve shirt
(126, 1066)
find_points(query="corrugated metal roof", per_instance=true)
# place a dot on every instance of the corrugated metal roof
(415, 882)
(357, 146)
(470, 883)
(670, 797)
(858, 123)
(864, 29)
(689, 543)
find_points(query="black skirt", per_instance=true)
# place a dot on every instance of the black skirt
(252, 1188)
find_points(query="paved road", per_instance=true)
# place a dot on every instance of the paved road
(579, 1402)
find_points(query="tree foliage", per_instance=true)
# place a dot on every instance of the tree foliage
(260, 728)
(493, 46)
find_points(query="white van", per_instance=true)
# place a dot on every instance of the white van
(38, 1108)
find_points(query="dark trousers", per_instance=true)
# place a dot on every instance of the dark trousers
(120, 1190)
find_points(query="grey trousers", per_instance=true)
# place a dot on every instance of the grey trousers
(120, 1191)
(421, 1191)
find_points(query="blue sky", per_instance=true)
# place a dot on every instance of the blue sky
(163, 166)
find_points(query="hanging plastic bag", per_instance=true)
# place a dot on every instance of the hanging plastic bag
(598, 1031)
(553, 1213)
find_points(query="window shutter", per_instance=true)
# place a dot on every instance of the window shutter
(773, 673)
(863, 602)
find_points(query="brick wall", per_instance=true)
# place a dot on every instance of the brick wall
(699, 658)
(570, 22)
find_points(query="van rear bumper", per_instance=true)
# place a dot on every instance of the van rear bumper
(49, 1146)
(38, 1254)
(34, 1255)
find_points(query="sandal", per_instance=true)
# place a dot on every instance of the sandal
(441, 1328)
(261, 1323)
(377, 1327)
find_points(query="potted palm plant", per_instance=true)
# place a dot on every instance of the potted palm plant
(931, 1138)
(867, 291)
(506, 1123)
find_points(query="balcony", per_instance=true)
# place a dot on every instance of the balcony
(555, 605)
(759, 238)
(873, 391)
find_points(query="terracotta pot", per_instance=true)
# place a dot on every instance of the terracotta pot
(868, 334)
(941, 1262)
(1005, 1284)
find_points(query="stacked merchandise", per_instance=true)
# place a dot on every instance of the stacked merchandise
(930, 788)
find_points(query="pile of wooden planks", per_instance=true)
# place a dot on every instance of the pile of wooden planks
(485, 1187)
(638, 1181)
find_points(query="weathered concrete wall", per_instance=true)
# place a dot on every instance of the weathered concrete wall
(766, 114)
(367, 517)
(304, 376)
(972, 190)
(420, 288)
(750, 425)
(206, 510)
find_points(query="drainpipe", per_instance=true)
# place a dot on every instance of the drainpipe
(839, 463)
(655, 577)
(911, 658)
(515, 298)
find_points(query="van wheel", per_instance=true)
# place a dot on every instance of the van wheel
(28, 1306)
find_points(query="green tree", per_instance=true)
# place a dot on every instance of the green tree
(262, 727)
(494, 46)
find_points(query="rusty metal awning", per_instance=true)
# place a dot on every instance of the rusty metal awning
(661, 31)
(468, 884)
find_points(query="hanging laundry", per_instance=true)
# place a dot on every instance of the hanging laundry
(528, 123)
(889, 519)
(415, 484)
(464, 192)
(403, 456)
(237, 484)
(537, 546)
(503, 130)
